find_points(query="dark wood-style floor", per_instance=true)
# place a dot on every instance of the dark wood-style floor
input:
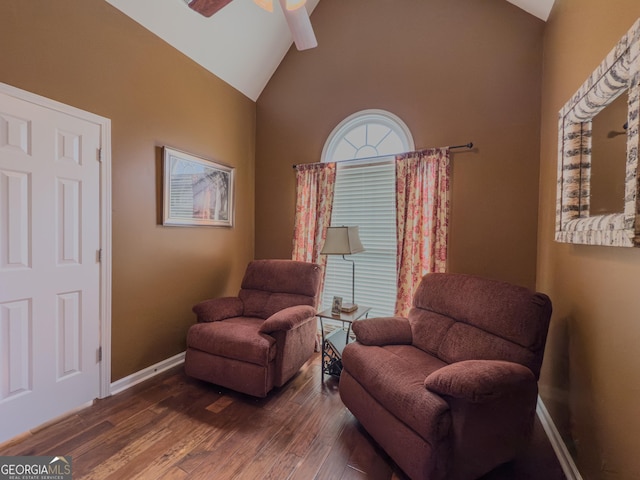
(175, 427)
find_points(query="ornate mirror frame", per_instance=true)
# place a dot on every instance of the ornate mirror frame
(619, 72)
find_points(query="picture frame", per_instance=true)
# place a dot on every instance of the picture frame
(196, 191)
(336, 306)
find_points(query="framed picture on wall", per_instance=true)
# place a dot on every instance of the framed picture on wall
(196, 191)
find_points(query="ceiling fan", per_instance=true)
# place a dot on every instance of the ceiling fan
(294, 12)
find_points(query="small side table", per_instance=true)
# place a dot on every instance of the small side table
(334, 342)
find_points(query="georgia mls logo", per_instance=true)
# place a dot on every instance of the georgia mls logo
(35, 468)
(63, 465)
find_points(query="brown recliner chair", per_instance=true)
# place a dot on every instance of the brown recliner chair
(450, 392)
(261, 338)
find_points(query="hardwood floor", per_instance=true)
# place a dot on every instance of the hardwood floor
(174, 427)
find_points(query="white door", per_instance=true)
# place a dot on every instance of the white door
(49, 263)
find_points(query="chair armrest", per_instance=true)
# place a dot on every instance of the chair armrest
(288, 318)
(479, 381)
(383, 331)
(218, 309)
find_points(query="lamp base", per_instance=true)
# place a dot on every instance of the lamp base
(349, 307)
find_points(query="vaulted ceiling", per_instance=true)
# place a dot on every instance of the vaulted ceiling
(242, 44)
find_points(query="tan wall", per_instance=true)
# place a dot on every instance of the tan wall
(455, 71)
(591, 374)
(87, 54)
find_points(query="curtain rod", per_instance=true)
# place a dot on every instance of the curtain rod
(466, 145)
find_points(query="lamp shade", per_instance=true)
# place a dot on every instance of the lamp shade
(342, 241)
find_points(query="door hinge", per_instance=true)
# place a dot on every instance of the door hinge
(99, 255)
(99, 354)
(100, 155)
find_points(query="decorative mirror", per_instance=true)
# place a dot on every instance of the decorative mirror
(618, 75)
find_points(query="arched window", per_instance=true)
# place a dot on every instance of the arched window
(365, 134)
(365, 196)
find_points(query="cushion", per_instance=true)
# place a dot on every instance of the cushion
(217, 309)
(428, 329)
(394, 375)
(237, 338)
(480, 380)
(262, 304)
(461, 317)
(269, 286)
(382, 331)
(289, 318)
(510, 311)
(282, 276)
(465, 342)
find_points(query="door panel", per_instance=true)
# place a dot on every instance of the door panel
(49, 268)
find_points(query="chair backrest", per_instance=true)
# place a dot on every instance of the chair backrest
(463, 317)
(272, 285)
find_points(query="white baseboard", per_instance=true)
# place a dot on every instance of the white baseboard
(564, 457)
(147, 373)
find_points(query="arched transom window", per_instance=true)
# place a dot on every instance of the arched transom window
(366, 134)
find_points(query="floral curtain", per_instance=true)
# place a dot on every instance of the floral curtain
(315, 183)
(422, 219)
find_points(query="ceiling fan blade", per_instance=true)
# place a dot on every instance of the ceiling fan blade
(207, 7)
(300, 26)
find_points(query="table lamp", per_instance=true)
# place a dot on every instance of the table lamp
(344, 241)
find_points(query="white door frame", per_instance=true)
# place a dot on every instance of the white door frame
(105, 219)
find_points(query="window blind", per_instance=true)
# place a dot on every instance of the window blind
(365, 197)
